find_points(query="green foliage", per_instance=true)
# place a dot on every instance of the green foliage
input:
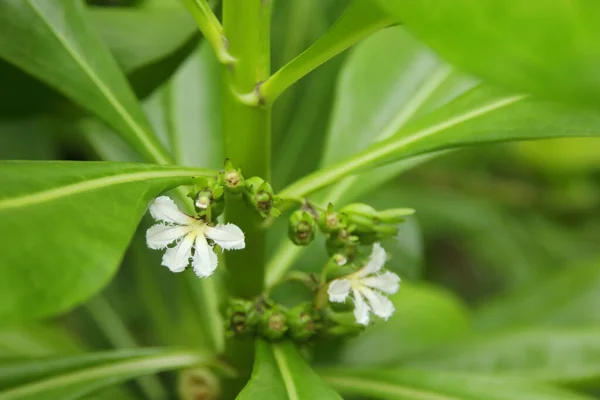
(57, 265)
(543, 47)
(498, 265)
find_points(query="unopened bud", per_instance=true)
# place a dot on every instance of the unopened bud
(232, 178)
(303, 322)
(259, 195)
(394, 215)
(272, 323)
(241, 317)
(332, 221)
(302, 226)
(362, 216)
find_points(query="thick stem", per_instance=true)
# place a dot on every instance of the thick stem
(247, 131)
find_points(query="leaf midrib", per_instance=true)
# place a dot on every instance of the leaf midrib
(93, 184)
(284, 370)
(139, 132)
(386, 388)
(162, 362)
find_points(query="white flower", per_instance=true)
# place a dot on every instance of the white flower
(367, 284)
(189, 233)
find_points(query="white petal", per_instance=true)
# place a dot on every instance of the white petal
(160, 236)
(376, 261)
(388, 282)
(361, 309)
(164, 209)
(380, 305)
(205, 260)
(178, 257)
(228, 236)
(338, 290)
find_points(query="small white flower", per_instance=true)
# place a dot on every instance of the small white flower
(367, 284)
(189, 233)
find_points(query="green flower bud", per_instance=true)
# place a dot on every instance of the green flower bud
(209, 193)
(341, 323)
(331, 221)
(342, 242)
(303, 322)
(198, 383)
(302, 226)
(273, 323)
(241, 317)
(394, 215)
(232, 178)
(362, 216)
(259, 195)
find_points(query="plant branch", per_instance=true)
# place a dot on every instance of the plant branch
(358, 21)
(211, 28)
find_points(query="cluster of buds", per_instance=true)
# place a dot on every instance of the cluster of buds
(272, 321)
(345, 229)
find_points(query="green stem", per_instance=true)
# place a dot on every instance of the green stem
(360, 20)
(210, 27)
(247, 132)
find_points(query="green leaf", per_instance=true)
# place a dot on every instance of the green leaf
(35, 341)
(439, 385)
(409, 331)
(281, 373)
(482, 115)
(77, 376)
(66, 226)
(565, 298)
(359, 20)
(149, 43)
(557, 355)
(546, 47)
(51, 40)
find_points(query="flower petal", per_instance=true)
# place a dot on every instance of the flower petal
(228, 236)
(361, 309)
(376, 261)
(388, 282)
(160, 236)
(380, 305)
(338, 290)
(178, 257)
(164, 209)
(205, 260)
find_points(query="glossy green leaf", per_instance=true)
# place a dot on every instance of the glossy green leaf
(66, 226)
(564, 298)
(281, 373)
(409, 384)
(558, 355)
(77, 376)
(51, 40)
(409, 331)
(546, 47)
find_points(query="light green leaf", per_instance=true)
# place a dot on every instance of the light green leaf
(149, 43)
(416, 325)
(546, 47)
(51, 40)
(75, 377)
(565, 298)
(139, 37)
(359, 20)
(439, 385)
(66, 225)
(35, 341)
(558, 355)
(482, 115)
(281, 373)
